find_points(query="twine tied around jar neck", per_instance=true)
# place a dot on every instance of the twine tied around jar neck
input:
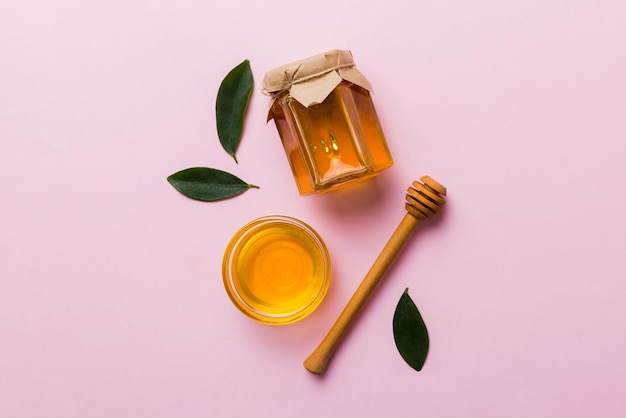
(311, 80)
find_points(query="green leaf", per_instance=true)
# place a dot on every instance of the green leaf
(208, 184)
(410, 333)
(231, 104)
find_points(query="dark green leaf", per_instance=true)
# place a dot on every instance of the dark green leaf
(208, 184)
(410, 333)
(231, 104)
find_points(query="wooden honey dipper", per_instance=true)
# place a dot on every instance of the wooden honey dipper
(423, 200)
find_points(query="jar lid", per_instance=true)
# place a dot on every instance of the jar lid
(311, 80)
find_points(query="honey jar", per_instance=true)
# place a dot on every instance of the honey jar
(325, 116)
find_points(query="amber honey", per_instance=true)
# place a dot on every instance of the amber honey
(334, 142)
(276, 270)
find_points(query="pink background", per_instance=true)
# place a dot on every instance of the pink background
(111, 299)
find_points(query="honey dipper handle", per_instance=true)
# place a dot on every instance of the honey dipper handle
(317, 361)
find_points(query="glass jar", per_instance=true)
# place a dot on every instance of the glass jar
(324, 114)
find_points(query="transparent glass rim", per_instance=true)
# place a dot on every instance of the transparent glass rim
(241, 237)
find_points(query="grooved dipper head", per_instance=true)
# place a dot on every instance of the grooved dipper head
(425, 199)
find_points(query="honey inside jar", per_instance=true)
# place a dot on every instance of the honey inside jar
(276, 270)
(336, 141)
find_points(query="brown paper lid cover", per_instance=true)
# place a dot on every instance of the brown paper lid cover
(311, 80)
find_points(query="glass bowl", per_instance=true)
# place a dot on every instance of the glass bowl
(276, 270)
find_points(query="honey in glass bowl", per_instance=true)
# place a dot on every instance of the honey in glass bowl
(276, 270)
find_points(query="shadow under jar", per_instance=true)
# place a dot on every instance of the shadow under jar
(324, 114)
